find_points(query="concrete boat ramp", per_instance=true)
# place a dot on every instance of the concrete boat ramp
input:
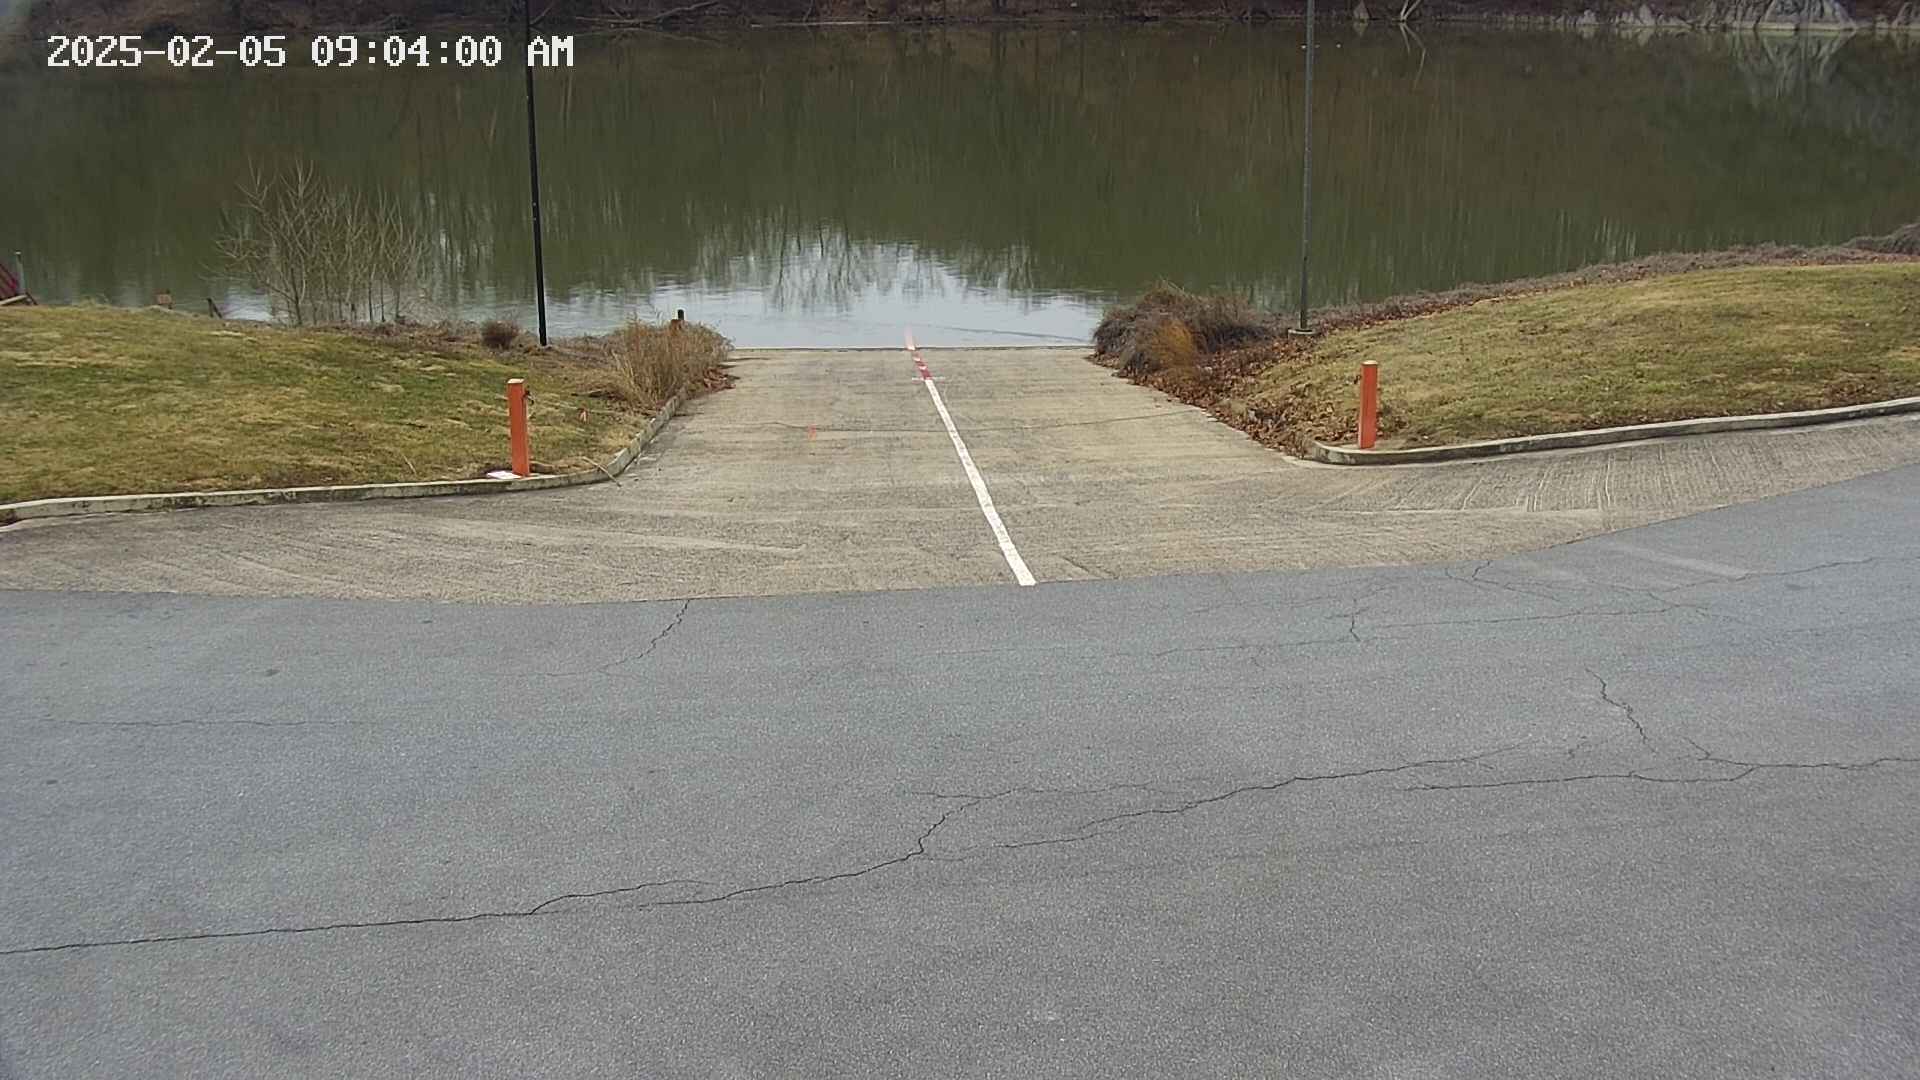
(825, 471)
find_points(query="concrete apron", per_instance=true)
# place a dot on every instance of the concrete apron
(824, 471)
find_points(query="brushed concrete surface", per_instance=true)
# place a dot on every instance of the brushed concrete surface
(830, 471)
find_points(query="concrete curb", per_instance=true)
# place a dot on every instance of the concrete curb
(1346, 455)
(11, 513)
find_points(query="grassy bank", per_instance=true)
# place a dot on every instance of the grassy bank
(1607, 347)
(97, 401)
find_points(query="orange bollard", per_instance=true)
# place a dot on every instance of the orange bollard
(1369, 403)
(517, 427)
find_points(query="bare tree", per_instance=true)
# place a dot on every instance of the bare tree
(323, 252)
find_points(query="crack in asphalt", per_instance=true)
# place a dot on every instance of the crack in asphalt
(1669, 604)
(1626, 710)
(607, 668)
(599, 894)
(1090, 829)
(320, 928)
(544, 907)
(1746, 769)
(1047, 841)
(1709, 756)
(1287, 781)
(1473, 578)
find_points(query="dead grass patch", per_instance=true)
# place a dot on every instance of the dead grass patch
(1667, 337)
(97, 400)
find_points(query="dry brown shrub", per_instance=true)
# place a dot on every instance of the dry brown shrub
(647, 363)
(498, 334)
(1171, 345)
(1136, 338)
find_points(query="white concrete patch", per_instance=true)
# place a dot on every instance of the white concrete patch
(1699, 566)
(1019, 566)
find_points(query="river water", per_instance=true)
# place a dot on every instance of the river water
(833, 186)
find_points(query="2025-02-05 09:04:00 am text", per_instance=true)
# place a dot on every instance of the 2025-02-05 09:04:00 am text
(272, 50)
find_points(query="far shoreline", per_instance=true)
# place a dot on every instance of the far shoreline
(147, 19)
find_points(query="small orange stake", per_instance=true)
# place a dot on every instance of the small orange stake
(1369, 403)
(517, 427)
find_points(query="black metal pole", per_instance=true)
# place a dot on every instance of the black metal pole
(1306, 172)
(533, 167)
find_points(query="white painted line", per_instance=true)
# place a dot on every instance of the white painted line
(1019, 566)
